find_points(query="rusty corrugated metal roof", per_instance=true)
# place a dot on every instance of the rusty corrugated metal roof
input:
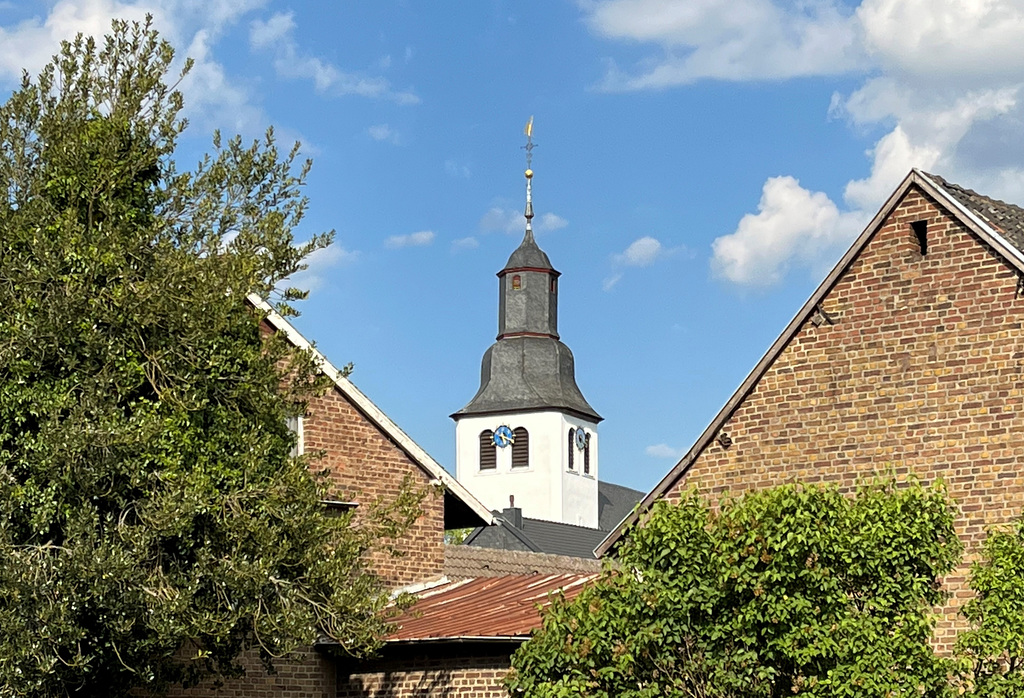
(483, 608)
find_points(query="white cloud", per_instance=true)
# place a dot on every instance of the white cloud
(727, 39)
(420, 239)
(792, 225)
(469, 243)
(942, 80)
(30, 44)
(276, 29)
(642, 252)
(512, 221)
(212, 99)
(277, 36)
(454, 168)
(319, 265)
(194, 27)
(946, 39)
(549, 221)
(383, 132)
(664, 451)
(609, 283)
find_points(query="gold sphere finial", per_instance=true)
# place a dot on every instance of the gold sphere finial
(529, 174)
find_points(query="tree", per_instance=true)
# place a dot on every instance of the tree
(153, 524)
(994, 644)
(796, 590)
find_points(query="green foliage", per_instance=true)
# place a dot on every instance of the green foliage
(994, 644)
(796, 590)
(153, 524)
(457, 536)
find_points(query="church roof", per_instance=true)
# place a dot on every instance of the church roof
(997, 223)
(528, 255)
(521, 374)
(614, 503)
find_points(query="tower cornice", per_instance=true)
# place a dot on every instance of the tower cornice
(543, 270)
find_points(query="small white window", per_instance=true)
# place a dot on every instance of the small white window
(295, 426)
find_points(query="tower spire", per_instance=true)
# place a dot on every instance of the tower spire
(529, 178)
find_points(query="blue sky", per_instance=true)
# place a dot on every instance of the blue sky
(700, 164)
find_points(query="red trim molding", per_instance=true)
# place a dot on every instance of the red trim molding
(550, 272)
(527, 334)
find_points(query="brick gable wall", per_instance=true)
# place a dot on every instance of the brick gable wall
(921, 372)
(364, 464)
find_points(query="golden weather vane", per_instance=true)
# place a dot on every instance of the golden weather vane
(528, 131)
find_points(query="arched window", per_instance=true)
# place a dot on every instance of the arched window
(586, 457)
(517, 282)
(572, 448)
(520, 448)
(488, 451)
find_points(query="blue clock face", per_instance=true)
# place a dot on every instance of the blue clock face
(503, 436)
(581, 439)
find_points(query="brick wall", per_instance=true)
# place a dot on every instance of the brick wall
(364, 465)
(921, 372)
(305, 674)
(428, 677)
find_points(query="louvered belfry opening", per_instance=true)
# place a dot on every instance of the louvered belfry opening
(586, 457)
(521, 448)
(572, 448)
(488, 451)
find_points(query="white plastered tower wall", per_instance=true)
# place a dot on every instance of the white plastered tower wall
(547, 488)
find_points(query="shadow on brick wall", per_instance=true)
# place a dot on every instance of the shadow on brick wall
(400, 684)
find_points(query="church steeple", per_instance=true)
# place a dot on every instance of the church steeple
(529, 432)
(528, 368)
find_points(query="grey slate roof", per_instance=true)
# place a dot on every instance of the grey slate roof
(614, 502)
(1006, 218)
(528, 255)
(536, 535)
(519, 374)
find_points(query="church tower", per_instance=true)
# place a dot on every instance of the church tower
(529, 435)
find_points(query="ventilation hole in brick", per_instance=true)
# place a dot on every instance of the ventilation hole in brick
(920, 229)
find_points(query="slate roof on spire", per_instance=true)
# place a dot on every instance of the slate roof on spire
(528, 255)
(526, 374)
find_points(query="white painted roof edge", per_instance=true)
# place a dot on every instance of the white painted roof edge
(365, 405)
(1005, 246)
